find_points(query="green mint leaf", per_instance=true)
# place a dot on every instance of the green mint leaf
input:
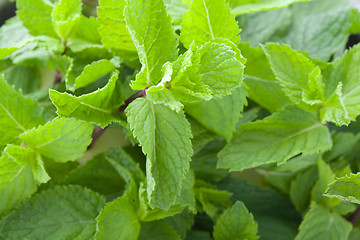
(301, 79)
(326, 176)
(208, 20)
(236, 223)
(176, 9)
(275, 139)
(154, 38)
(90, 74)
(157, 230)
(167, 163)
(185, 200)
(85, 35)
(181, 82)
(212, 201)
(221, 66)
(220, 115)
(21, 171)
(13, 34)
(239, 7)
(345, 188)
(17, 113)
(204, 162)
(317, 18)
(36, 16)
(65, 16)
(99, 107)
(319, 223)
(260, 81)
(112, 26)
(58, 213)
(62, 139)
(118, 220)
(342, 105)
(264, 204)
(300, 188)
(181, 223)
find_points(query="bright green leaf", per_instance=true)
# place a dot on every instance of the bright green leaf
(165, 138)
(319, 223)
(301, 79)
(65, 16)
(17, 113)
(342, 105)
(208, 20)
(99, 107)
(21, 171)
(152, 33)
(236, 223)
(36, 16)
(275, 139)
(62, 139)
(346, 188)
(220, 115)
(112, 26)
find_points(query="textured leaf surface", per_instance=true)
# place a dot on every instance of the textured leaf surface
(259, 80)
(165, 138)
(301, 79)
(118, 220)
(62, 139)
(342, 105)
(65, 16)
(112, 26)
(181, 82)
(236, 223)
(152, 33)
(94, 71)
(221, 67)
(21, 171)
(346, 188)
(239, 7)
(17, 113)
(319, 223)
(99, 107)
(220, 115)
(275, 139)
(207, 20)
(73, 215)
(36, 16)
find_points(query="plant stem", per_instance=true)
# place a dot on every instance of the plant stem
(57, 77)
(95, 135)
(98, 130)
(136, 95)
(354, 216)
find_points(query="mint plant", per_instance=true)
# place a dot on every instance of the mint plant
(179, 119)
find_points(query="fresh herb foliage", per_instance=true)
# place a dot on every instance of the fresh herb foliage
(163, 119)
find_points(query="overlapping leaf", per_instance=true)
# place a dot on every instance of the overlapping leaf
(154, 38)
(73, 215)
(165, 138)
(62, 139)
(99, 107)
(275, 139)
(17, 113)
(207, 20)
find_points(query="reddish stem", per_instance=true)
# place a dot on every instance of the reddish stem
(354, 216)
(136, 95)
